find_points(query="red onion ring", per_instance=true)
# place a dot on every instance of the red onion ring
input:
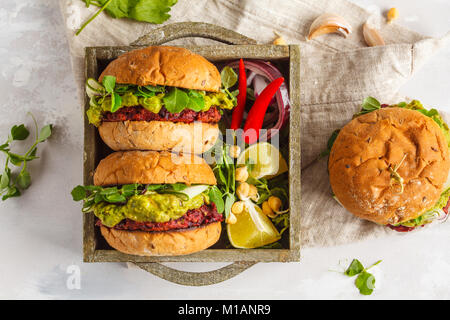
(282, 96)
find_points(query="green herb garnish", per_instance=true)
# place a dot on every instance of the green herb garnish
(369, 104)
(225, 172)
(11, 183)
(229, 79)
(153, 11)
(396, 179)
(365, 281)
(176, 100)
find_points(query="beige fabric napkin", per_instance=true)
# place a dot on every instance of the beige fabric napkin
(337, 73)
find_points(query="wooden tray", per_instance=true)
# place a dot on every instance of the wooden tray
(287, 59)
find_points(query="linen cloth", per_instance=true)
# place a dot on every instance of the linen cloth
(337, 73)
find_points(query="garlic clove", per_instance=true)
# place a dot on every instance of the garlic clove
(329, 23)
(372, 36)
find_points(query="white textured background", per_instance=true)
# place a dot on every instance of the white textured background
(41, 231)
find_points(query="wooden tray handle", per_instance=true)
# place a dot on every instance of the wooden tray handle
(196, 278)
(191, 29)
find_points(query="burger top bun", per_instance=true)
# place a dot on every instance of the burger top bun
(369, 145)
(165, 66)
(152, 167)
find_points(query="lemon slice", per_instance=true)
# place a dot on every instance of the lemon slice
(266, 160)
(252, 229)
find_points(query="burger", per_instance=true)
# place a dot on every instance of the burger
(390, 165)
(151, 203)
(158, 98)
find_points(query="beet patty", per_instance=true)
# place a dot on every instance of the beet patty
(140, 114)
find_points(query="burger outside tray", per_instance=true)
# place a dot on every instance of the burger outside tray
(287, 59)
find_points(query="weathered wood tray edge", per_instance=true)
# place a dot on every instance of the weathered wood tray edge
(217, 53)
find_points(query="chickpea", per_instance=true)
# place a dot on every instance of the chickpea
(253, 193)
(266, 209)
(235, 151)
(243, 190)
(275, 203)
(231, 218)
(392, 15)
(237, 207)
(241, 174)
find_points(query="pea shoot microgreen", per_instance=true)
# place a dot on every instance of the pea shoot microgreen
(12, 183)
(369, 104)
(229, 79)
(225, 171)
(365, 281)
(396, 179)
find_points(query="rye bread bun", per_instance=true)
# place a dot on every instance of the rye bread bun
(197, 137)
(165, 66)
(151, 167)
(369, 144)
(168, 243)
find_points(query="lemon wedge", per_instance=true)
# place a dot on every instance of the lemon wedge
(252, 229)
(265, 159)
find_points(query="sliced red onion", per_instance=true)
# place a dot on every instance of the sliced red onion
(268, 71)
(251, 75)
(259, 84)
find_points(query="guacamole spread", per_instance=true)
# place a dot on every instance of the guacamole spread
(147, 208)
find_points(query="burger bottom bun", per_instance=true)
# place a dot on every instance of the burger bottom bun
(196, 137)
(167, 243)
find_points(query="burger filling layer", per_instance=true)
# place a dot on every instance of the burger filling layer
(153, 102)
(150, 207)
(146, 208)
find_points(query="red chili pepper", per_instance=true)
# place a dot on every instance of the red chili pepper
(256, 115)
(238, 112)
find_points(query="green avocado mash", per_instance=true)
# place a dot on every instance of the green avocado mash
(153, 207)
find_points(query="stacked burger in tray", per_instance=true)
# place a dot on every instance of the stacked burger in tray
(158, 108)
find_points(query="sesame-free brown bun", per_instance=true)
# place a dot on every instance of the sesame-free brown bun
(167, 243)
(197, 137)
(365, 149)
(152, 167)
(165, 66)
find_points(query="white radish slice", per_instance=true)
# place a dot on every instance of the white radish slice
(94, 88)
(193, 191)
